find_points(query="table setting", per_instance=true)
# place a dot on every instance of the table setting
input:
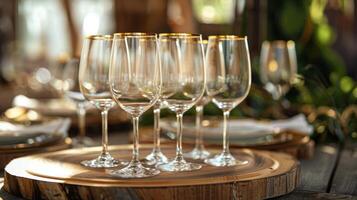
(178, 100)
(176, 71)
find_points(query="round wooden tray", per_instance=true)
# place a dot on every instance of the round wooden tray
(8, 154)
(59, 175)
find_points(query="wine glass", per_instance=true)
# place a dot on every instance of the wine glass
(183, 83)
(228, 83)
(199, 151)
(94, 85)
(70, 89)
(135, 81)
(277, 66)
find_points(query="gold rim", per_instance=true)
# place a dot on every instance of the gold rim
(280, 43)
(99, 37)
(204, 42)
(176, 34)
(129, 33)
(180, 35)
(227, 37)
(134, 35)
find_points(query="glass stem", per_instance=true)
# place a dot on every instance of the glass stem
(199, 139)
(179, 156)
(225, 132)
(157, 129)
(81, 111)
(135, 157)
(104, 131)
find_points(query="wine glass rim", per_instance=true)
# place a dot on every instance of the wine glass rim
(227, 37)
(99, 37)
(131, 34)
(280, 43)
(204, 42)
(180, 35)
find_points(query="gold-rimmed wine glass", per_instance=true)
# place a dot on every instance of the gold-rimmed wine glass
(183, 83)
(135, 81)
(199, 152)
(94, 85)
(228, 83)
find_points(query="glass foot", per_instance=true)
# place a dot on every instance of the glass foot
(179, 166)
(197, 154)
(224, 160)
(155, 158)
(135, 170)
(80, 141)
(103, 161)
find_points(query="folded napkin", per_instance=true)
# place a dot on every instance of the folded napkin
(57, 126)
(297, 123)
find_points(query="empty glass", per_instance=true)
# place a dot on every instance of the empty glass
(70, 87)
(135, 81)
(228, 83)
(94, 85)
(277, 66)
(183, 82)
(199, 151)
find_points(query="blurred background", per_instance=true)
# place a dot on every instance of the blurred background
(38, 37)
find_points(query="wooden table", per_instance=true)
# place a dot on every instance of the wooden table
(330, 174)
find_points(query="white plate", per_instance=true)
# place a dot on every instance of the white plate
(239, 130)
(15, 135)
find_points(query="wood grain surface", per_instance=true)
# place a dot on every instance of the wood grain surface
(345, 179)
(316, 173)
(59, 175)
(308, 195)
